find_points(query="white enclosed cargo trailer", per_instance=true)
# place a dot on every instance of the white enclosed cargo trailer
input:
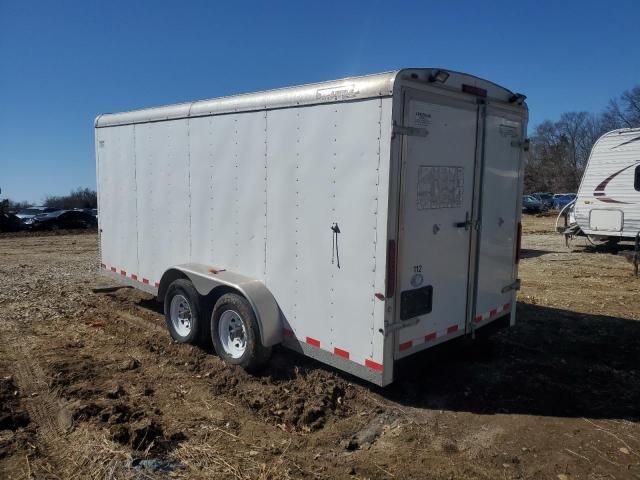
(358, 221)
(608, 201)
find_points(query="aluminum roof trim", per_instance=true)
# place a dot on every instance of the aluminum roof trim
(349, 88)
(345, 89)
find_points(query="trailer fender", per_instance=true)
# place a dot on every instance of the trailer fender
(206, 279)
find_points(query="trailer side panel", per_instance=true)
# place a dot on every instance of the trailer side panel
(162, 181)
(117, 200)
(293, 197)
(228, 192)
(323, 172)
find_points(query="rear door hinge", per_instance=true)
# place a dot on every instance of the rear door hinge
(524, 145)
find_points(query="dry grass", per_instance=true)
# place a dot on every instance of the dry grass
(224, 455)
(86, 454)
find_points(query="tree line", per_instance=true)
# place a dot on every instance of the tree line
(79, 198)
(559, 150)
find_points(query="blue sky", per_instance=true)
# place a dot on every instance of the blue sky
(64, 62)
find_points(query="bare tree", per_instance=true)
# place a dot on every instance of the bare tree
(543, 165)
(560, 151)
(624, 112)
(580, 130)
(80, 198)
(8, 205)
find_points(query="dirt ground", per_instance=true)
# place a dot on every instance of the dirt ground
(91, 385)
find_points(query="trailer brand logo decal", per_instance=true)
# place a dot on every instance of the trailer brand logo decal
(337, 93)
(599, 191)
(422, 119)
(440, 187)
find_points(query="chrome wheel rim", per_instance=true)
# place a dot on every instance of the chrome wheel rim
(232, 333)
(181, 315)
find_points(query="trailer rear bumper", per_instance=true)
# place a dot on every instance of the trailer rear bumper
(481, 322)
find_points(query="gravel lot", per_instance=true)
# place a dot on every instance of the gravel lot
(91, 385)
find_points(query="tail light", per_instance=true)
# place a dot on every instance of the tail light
(477, 91)
(390, 287)
(518, 242)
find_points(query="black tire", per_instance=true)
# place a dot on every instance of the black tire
(197, 325)
(255, 354)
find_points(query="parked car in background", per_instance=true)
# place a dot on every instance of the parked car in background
(9, 222)
(63, 219)
(92, 211)
(31, 212)
(545, 198)
(531, 204)
(561, 200)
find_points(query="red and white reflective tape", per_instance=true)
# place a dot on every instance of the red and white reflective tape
(428, 338)
(132, 276)
(338, 352)
(453, 329)
(493, 313)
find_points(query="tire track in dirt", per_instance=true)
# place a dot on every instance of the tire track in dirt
(45, 410)
(63, 457)
(43, 406)
(141, 323)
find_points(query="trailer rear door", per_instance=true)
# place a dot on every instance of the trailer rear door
(439, 148)
(500, 213)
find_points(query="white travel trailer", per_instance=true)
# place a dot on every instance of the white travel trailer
(358, 221)
(608, 201)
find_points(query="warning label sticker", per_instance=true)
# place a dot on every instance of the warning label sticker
(421, 119)
(508, 131)
(440, 187)
(420, 114)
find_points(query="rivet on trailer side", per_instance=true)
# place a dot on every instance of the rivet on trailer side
(357, 221)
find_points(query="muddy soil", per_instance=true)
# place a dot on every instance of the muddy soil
(91, 385)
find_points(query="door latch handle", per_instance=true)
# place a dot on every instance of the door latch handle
(466, 224)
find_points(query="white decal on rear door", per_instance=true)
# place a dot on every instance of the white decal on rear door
(440, 187)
